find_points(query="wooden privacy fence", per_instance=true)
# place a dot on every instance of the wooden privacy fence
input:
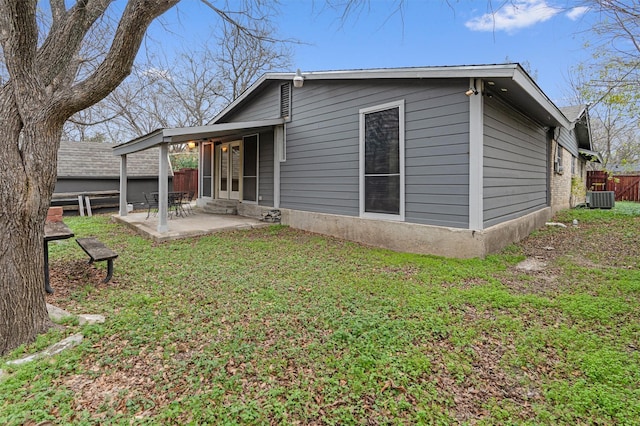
(186, 180)
(626, 187)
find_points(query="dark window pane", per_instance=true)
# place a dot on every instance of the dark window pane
(382, 194)
(206, 160)
(250, 156)
(382, 142)
(206, 186)
(249, 188)
(224, 167)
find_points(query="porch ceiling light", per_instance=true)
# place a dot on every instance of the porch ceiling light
(191, 144)
(471, 91)
(298, 80)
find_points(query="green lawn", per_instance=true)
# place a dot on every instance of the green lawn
(278, 326)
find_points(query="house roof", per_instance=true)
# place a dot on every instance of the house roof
(573, 112)
(509, 81)
(578, 116)
(186, 134)
(95, 159)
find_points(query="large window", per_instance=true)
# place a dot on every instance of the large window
(382, 161)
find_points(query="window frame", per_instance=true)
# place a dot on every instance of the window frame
(557, 165)
(400, 105)
(257, 171)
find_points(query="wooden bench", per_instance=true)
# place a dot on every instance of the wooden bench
(98, 252)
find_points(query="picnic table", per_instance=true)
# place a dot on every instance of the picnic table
(53, 231)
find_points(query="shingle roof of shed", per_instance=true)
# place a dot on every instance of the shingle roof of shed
(94, 159)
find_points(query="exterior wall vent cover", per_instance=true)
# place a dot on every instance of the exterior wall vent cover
(285, 100)
(601, 199)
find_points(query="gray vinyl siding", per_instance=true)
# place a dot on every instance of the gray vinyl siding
(321, 172)
(567, 139)
(262, 106)
(515, 164)
(265, 169)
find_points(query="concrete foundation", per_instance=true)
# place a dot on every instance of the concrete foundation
(411, 237)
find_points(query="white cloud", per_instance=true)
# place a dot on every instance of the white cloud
(575, 13)
(158, 74)
(514, 16)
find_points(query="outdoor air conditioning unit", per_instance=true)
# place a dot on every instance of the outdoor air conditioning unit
(601, 199)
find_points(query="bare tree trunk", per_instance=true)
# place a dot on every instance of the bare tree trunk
(42, 92)
(28, 177)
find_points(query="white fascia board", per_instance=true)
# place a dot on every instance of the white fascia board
(466, 71)
(532, 89)
(212, 129)
(140, 144)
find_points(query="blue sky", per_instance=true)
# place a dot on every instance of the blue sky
(546, 33)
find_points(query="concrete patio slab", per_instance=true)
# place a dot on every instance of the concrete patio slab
(192, 225)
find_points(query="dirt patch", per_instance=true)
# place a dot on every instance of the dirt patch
(590, 245)
(70, 277)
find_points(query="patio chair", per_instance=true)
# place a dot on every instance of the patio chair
(152, 203)
(186, 202)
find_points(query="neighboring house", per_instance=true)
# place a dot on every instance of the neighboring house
(453, 161)
(90, 167)
(571, 150)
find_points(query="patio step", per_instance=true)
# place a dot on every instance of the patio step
(222, 207)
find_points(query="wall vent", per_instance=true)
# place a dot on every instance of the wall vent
(601, 199)
(285, 100)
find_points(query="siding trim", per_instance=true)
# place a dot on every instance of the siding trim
(476, 156)
(278, 142)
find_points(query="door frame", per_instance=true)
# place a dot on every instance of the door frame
(228, 194)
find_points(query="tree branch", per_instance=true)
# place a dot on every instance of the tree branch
(117, 64)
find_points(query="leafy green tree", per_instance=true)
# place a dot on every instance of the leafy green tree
(610, 81)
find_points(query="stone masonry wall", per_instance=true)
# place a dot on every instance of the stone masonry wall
(561, 183)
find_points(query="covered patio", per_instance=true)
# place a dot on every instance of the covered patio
(160, 228)
(195, 224)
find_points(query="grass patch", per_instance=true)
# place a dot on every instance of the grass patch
(275, 325)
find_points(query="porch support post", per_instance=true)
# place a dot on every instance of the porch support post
(476, 153)
(163, 188)
(123, 185)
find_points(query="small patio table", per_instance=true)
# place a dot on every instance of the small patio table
(53, 231)
(174, 201)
